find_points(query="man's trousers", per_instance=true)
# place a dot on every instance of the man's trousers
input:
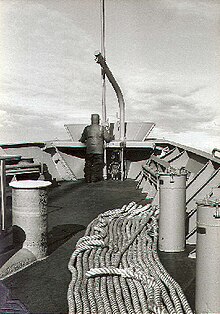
(94, 164)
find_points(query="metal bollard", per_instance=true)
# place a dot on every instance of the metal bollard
(29, 212)
(172, 202)
(208, 257)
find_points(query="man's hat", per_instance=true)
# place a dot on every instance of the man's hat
(95, 118)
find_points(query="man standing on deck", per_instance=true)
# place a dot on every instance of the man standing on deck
(94, 136)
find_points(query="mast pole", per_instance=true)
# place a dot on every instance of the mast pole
(102, 9)
(104, 115)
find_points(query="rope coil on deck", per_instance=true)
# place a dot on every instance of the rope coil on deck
(116, 269)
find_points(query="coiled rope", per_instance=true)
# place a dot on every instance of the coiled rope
(116, 269)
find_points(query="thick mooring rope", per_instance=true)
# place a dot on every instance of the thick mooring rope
(116, 269)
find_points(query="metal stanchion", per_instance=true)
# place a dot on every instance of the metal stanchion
(172, 202)
(5, 221)
(208, 257)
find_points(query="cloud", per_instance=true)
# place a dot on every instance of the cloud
(196, 139)
(204, 8)
(168, 75)
(194, 91)
(48, 72)
(176, 103)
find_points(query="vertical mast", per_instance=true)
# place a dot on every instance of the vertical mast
(102, 11)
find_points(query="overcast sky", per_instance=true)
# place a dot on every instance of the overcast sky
(165, 55)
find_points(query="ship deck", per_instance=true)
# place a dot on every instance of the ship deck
(42, 287)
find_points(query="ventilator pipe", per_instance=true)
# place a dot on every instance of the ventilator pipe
(29, 215)
(29, 212)
(172, 202)
(208, 257)
(100, 60)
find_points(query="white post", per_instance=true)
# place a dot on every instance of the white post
(3, 195)
(208, 258)
(172, 202)
(29, 212)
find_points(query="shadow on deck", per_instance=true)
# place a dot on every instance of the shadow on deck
(42, 287)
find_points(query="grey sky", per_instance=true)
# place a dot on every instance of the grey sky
(164, 54)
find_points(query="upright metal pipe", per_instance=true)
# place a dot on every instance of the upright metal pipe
(172, 200)
(6, 236)
(104, 114)
(3, 158)
(29, 213)
(3, 195)
(208, 257)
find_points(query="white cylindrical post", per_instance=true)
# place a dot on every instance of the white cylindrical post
(172, 202)
(29, 212)
(208, 258)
